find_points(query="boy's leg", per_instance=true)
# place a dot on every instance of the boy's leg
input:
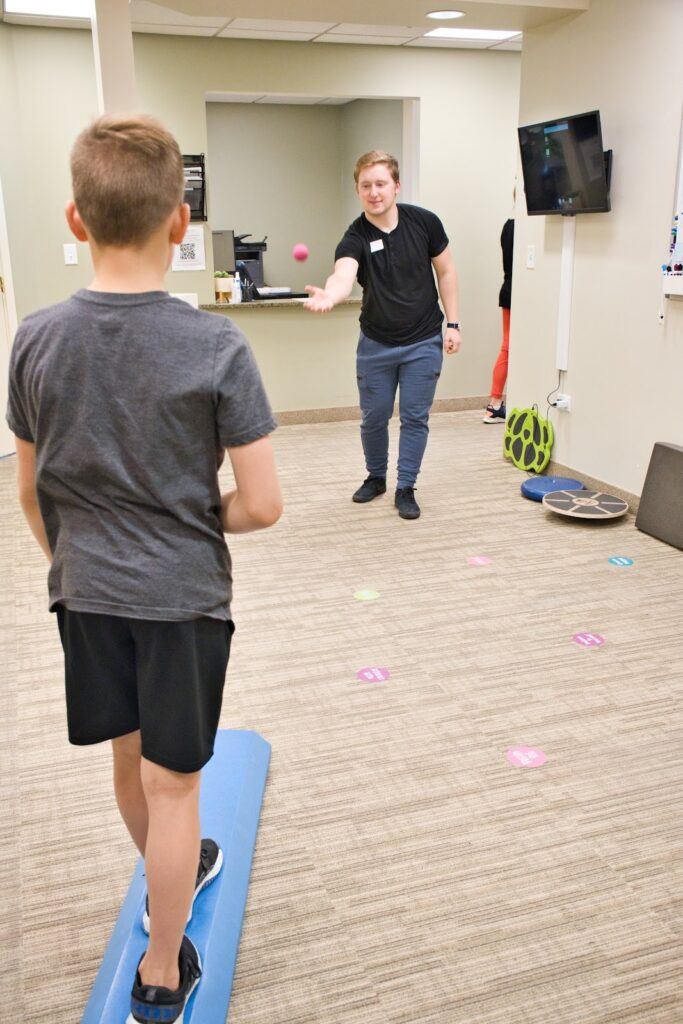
(130, 795)
(418, 376)
(180, 678)
(171, 856)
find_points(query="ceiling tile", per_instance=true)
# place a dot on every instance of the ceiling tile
(360, 40)
(401, 31)
(45, 21)
(249, 33)
(509, 44)
(313, 28)
(451, 44)
(174, 30)
(144, 12)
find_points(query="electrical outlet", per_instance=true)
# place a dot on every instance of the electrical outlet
(531, 257)
(563, 402)
(70, 255)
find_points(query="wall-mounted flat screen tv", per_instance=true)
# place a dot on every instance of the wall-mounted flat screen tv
(564, 166)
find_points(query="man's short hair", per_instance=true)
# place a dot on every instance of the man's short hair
(127, 174)
(376, 156)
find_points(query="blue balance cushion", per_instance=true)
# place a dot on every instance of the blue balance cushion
(536, 486)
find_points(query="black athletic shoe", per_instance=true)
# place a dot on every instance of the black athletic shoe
(492, 415)
(210, 864)
(404, 501)
(155, 1003)
(371, 488)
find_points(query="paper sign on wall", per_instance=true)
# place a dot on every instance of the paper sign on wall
(190, 254)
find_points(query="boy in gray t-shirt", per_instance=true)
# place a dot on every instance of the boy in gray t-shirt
(123, 401)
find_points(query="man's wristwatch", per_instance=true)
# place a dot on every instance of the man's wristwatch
(455, 326)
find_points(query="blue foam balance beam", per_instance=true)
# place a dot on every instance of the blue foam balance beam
(232, 790)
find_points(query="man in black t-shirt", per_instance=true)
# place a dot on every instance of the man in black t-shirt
(394, 251)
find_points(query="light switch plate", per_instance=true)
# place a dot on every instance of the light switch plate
(531, 257)
(70, 255)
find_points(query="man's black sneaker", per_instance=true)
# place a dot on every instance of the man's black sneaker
(155, 1003)
(404, 501)
(371, 488)
(210, 864)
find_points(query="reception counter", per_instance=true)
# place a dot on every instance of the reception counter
(308, 360)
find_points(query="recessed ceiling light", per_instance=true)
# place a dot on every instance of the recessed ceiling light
(51, 8)
(472, 33)
(445, 15)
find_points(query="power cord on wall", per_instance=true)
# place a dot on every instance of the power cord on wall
(554, 392)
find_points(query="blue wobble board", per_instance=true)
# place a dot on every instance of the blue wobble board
(534, 487)
(233, 784)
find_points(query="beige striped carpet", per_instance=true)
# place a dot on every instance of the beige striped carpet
(404, 873)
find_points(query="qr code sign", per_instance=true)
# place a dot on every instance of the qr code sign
(187, 251)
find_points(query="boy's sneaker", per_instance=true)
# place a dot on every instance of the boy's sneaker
(210, 864)
(404, 501)
(494, 415)
(155, 1003)
(371, 488)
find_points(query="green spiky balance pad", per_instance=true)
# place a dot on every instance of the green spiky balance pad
(528, 440)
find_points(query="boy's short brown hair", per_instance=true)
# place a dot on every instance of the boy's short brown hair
(127, 174)
(376, 156)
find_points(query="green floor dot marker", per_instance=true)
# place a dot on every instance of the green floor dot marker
(366, 595)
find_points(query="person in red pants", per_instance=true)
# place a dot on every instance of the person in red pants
(495, 410)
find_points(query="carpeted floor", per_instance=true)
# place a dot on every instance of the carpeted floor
(405, 873)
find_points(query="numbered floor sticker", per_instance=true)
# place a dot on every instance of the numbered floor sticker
(372, 675)
(588, 639)
(526, 757)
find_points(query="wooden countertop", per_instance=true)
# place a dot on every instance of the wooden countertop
(228, 307)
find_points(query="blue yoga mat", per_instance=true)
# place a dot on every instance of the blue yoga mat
(232, 792)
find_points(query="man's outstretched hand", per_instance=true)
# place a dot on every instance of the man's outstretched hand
(319, 301)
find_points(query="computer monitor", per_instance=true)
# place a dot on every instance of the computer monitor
(564, 166)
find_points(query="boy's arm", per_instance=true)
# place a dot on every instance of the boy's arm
(337, 287)
(26, 478)
(257, 501)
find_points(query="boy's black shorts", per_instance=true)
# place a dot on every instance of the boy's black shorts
(164, 678)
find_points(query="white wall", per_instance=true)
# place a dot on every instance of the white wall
(366, 125)
(468, 115)
(625, 370)
(286, 171)
(273, 169)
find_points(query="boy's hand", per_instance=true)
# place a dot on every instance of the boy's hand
(257, 501)
(28, 497)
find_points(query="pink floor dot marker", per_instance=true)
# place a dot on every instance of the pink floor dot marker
(526, 757)
(479, 560)
(372, 675)
(588, 639)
